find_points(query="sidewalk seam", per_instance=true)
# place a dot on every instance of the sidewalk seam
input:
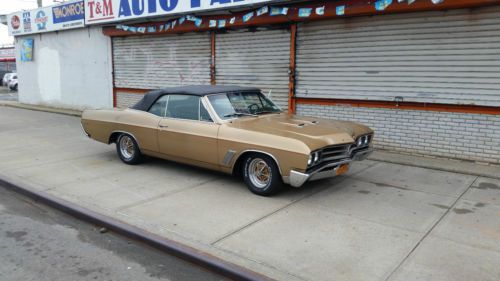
(437, 168)
(430, 230)
(68, 112)
(163, 195)
(264, 217)
(282, 208)
(166, 245)
(409, 189)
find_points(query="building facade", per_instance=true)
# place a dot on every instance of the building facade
(424, 74)
(426, 78)
(70, 69)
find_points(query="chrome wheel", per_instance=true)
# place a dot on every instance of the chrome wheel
(127, 148)
(259, 173)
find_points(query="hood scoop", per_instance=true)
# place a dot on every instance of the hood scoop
(302, 125)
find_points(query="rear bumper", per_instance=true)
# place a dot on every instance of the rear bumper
(328, 170)
(83, 129)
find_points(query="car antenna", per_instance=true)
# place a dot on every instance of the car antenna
(269, 94)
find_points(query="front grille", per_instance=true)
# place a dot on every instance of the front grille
(340, 153)
(336, 152)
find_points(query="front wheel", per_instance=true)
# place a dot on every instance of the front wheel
(261, 175)
(128, 149)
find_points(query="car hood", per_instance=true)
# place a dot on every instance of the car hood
(314, 132)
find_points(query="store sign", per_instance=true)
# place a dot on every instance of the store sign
(15, 23)
(41, 20)
(68, 12)
(7, 53)
(52, 18)
(27, 22)
(100, 11)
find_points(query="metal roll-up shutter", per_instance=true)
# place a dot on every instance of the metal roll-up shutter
(151, 62)
(260, 59)
(447, 57)
(7, 66)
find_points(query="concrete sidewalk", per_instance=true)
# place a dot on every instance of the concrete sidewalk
(382, 221)
(7, 95)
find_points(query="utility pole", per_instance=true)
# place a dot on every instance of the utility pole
(39, 2)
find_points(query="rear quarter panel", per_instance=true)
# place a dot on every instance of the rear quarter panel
(100, 124)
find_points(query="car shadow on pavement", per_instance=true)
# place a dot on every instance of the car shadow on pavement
(237, 181)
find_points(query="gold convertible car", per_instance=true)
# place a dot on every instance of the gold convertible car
(231, 129)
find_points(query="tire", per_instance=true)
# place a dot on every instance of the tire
(128, 149)
(261, 175)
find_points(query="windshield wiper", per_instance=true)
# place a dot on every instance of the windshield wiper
(237, 114)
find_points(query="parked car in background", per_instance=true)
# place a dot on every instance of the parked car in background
(2, 74)
(13, 82)
(6, 78)
(231, 129)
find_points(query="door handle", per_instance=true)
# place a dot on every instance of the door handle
(163, 126)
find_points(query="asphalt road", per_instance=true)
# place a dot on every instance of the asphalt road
(6, 94)
(40, 243)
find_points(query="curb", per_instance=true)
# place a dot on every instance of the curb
(171, 247)
(437, 163)
(42, 108)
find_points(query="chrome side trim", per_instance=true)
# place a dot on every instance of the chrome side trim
(228, 157)
(259, 151)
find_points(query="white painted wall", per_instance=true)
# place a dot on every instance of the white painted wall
(70, 69)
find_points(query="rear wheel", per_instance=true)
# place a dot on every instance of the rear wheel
(128, 150)
(261, 175)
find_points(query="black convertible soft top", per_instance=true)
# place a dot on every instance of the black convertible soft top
(199, 90)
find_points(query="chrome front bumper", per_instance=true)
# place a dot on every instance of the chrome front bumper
(297, 179)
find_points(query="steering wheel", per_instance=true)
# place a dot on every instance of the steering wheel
(253, 105)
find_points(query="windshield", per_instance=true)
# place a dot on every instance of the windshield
(230, 105)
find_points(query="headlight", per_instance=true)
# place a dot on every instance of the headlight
(359, 142)
(363, 140)
(314, 158)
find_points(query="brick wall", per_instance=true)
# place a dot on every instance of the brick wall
(454, 135)
(124, 100)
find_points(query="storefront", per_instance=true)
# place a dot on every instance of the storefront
(255, 58)
(418, 73)
(7, 60)
(152, 62)
(427, 82)
(424, 74)
(445, 57)
(258, 58)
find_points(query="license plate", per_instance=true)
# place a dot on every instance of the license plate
(342, 169)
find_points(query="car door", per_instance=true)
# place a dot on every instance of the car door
(187, 133)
